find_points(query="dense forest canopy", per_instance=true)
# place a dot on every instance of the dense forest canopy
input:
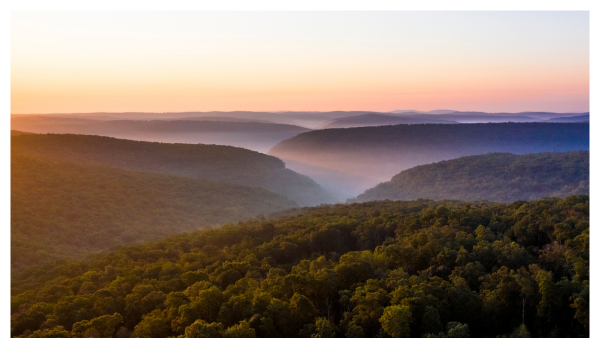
(376, 269)
(499, 177)
(211, 162)
(355, 159)
(65, 210)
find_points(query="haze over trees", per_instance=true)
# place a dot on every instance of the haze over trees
(64, 210)
(258, 131)
(349, 161)
(123, 238)
(211, 162)
(376, 269)
(373, 119)
(572, 119)
(499, 177)
(257, 136)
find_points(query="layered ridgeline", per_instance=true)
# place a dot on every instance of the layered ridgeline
(496, 177)
(243, 133)
(377, 269)
(355, 159)
(62, 209)
(373, 119)
(414, 117)
(211, 162)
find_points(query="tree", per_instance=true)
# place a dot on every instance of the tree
(396, 321)
(457, 330)
(454, 330)
(324, 328)
(431, 322)
(354, 331)
(56, 332)
(241, 330)
(202, 329)
(105, 326)
(153, 325)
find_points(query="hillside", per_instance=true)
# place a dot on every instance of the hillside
(377, 120)
(476, 117)
(222, 119)
(250, 135)
(547, 115)
(355, 159)
(62, 209)
(377, 269)
(496, 177)
(573, 119)
(210, 162)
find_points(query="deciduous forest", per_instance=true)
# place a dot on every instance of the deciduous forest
(499, 177)
(376, 269)
(201, 161)
(65, 210)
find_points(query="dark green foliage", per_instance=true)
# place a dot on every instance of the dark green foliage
(210, 162)
(392, 269)
(62, 210)
(456, 137)
(498, 177)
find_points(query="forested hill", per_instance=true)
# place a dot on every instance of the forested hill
(247, 134)
(211, 162)
(499, 177)
(373, 119)
(377, 269)
(356, 159)
(581, 118)
(62, 210)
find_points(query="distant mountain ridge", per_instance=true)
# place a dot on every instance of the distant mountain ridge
(574, 119)
(248, 134)
(211, 162)
(373, 119)
(304, 119)
(497, 177)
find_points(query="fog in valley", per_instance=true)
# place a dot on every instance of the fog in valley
(237, 132)
(352, 160)
(330, 147)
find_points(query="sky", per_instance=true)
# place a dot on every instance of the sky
(67, 62)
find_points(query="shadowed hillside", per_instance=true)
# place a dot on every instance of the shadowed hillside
(211, 162)
(573, 119)
(62, 209)
(496, 177)
(336, 157)
(476, 117)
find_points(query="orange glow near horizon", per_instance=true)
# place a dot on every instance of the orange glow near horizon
(167, 62)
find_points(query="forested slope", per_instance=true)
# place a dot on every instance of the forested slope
(62, 210)
(257, 136)
(377, 269)
(499, 177)
(356, 159)
(211, 162)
